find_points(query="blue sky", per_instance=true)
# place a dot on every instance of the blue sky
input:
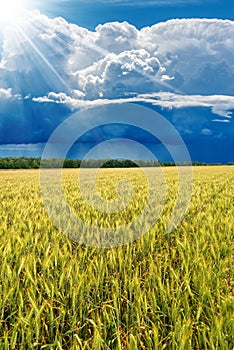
(90, 13)
(120, 52)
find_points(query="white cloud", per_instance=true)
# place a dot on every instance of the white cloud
(114, 75)
(175, 64)
(218, 104)
(206, 132)
(195, 56)
(5, 93)
(221, 120)
(22, 147)
(59, 98)
(116, 36)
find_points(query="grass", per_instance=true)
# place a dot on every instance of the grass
(160, 292)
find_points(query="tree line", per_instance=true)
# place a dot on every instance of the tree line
(36, 163)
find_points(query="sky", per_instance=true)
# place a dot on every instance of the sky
(90, 13)
(174, 57)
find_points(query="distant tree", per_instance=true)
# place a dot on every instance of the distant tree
(35, 163)
(69, 163)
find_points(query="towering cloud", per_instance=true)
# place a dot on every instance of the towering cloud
(192, 55)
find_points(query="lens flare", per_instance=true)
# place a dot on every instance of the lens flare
(11, 9)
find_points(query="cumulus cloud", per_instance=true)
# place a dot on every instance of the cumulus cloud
(193, 56)
(116, 37)
(117, 75)
(6, 94)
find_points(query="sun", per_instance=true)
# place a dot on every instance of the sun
(11, 9)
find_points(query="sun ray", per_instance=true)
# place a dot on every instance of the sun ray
(44, 59)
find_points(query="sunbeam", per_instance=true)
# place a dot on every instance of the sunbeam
(40, 54)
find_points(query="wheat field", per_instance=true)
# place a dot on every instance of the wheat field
(162, 291)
